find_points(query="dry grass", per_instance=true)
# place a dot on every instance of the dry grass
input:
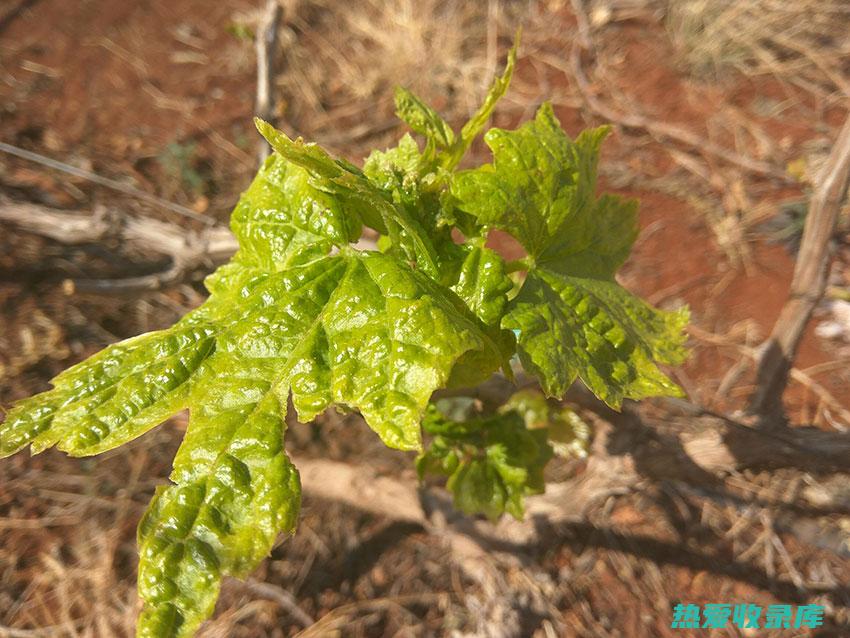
(68, 554)
(67, 544)
(343, 60)
(804, 42)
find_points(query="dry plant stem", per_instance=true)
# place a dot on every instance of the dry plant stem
(584, 34)
(342, 618)
(266, 48)
(189, 251)
(808, 284)
(473, 544)
(719, 444)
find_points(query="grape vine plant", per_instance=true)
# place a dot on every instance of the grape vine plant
(301, 314)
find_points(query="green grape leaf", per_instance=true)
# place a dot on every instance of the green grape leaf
(348, 329)
(540, 188)
(483, 284)
(112, 397)
(420, 187)
(491, 463)
(596, 330)
(423, 119)
(417, 179)
(441, 139)
(472, 129)
(567, 432)
(282, 220)
(397, 169)
(408, 177)
(572, 318)
(356, 191)
(297, 314)
(234, 490)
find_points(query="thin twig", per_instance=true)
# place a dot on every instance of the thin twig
(337, 618)
(14, 12)
(266, 48)
(103, 181)
(44, 632)
(282, 598)
(584, 37)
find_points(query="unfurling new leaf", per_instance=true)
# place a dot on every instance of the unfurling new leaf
(491, 463)
(299, 314)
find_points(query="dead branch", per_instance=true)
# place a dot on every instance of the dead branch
(584, 37)
(340, 618)
(711, 441)
(188, 250)
(266, 48)
(800, 376)
(720, 446)
(694, 450)
(808, 284)
(13, 12)
(361, 487)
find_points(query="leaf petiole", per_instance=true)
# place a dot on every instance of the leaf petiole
(519, 265)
